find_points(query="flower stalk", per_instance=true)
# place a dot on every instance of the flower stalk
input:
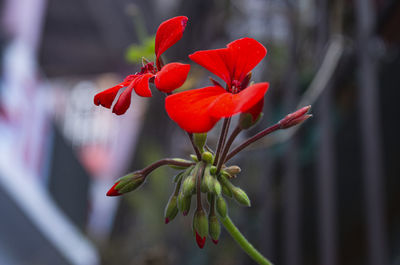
(243, 242)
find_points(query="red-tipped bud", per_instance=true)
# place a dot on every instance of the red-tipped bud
(214, 241)
(166, 220)
(126, 184)
(200, 227)
(295, 118)
(201, 241)
(113, 191)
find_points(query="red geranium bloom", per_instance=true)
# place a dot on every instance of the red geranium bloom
(199, 110)
(165, 77)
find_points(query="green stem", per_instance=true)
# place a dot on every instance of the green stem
(243, 243)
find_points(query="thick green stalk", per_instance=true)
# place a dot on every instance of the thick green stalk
(243, 243)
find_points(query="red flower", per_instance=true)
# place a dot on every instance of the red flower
(199, 110)
(165, 77)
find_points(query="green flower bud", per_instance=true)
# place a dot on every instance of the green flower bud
(179, 160)
(213, 170)
(199, 140)
(226, 184)
(194, 158)
(200, 223)
(184, 203)
(189, 185)
(222, 208)
(207, 157)
(214, 228)
(241, 196)
(208, 180)
(126, 184)
(216, 187)
(171, 210)
(226, 191)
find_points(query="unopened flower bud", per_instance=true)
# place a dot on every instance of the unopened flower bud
(199, 140)
(126, 184)
(295, 118)
(226, 191)
(213, 170)
(171, 210)
(194, 158)
(200, 227)
(241, 196)
(227, 186)
(222, 208)
(214, 228)
(184, 203)
(207, 157)
(216, 187)
(207, 182)
(189, 185)
(232, 170)
(178, 177)
(179, 160)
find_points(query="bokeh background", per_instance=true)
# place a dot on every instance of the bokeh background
(327, 193)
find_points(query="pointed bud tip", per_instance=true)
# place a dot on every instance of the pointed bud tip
(113, 192)
(215, 241)
(201, 241)
(166, 220)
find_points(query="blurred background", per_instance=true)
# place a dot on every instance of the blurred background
(326, 193)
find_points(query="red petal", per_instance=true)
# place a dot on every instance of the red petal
(168, 33)
(141, 85)
(201, 241)
(229, 104)
(124, 100)
(233, 62)
(106, 97)
(113, 191)
(190, 109)
(171, 76)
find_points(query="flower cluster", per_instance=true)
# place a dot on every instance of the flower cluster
(197, 111)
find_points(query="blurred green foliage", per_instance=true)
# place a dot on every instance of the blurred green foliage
(135, 52)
